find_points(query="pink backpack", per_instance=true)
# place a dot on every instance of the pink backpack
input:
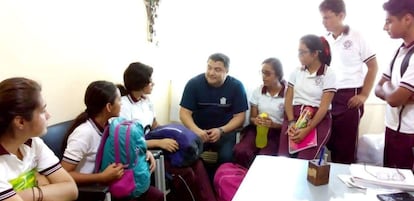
(227, 180)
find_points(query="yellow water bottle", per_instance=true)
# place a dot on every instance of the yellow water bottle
(261, 133)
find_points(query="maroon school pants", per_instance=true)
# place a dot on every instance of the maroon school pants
(193, 178)
(245, 151)
(323, 132)
(343, 142)
(152, 194)
(398, 149)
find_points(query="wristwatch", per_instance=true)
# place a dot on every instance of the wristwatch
(221, 130)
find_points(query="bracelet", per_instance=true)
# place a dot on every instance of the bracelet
(292, 122)
(40, 194)
(33, 194)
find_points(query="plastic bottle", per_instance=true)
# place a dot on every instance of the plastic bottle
(261, 133)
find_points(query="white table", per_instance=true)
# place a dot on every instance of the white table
(272, 178)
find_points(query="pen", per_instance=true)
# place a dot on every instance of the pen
(321, 155)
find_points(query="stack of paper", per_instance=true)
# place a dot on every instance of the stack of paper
(402, 179)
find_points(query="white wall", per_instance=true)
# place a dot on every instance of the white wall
(67, 44)
(251, 31)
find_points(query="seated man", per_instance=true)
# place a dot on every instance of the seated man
(214, 105)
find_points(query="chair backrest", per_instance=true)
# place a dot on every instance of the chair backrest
(55, 136)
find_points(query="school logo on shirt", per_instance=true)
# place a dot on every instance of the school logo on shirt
(223, 100)
(281, 106)
(319, 81)
(347, 44)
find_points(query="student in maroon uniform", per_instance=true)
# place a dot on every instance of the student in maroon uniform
(397, 88)
(137, 105)
(351, 56)
(267, 98)
(312, 85)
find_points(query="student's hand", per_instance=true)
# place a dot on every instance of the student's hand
(263, 121)
(357, 101)
(169, 145)
(299, 134)
(291, 129)
(41, 180)
(113, 172)
(214, 135)
(151, 161)
(388, 87)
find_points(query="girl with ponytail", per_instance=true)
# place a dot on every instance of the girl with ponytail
(312, 85)
(103, 101)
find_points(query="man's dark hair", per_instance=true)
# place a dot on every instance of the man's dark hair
(336, 6)
(399, 7)
(220, 57)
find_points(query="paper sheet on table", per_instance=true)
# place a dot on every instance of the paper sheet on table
(365, 175)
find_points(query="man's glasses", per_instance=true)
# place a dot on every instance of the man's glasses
(386, 176)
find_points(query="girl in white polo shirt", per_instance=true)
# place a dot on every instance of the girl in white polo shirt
(268, 98)
(23, 155)
(103, 101)
(136, 105)
(311, 85)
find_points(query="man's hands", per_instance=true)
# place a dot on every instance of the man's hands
(211, 135)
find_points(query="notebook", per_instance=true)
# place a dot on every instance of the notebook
(309, 141)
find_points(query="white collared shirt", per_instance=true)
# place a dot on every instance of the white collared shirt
(272, 105)
(350, 53)
(308, 88)
(392, 114)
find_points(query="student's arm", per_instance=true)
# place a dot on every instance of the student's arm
(254, 112)
(288, 104)
(188, 121)
(396, 95)
(62, 188)
(360, 99)
(112, 172)
(167, 144)
(379, 92)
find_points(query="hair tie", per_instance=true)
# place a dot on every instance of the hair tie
(325, 46)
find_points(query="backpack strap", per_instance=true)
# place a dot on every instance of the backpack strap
(99, 153)
(404, 63)
(127, 141)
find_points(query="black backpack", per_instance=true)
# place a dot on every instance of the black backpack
(405, 61)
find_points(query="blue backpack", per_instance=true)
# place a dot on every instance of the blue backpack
(118, 131)
(190, 145)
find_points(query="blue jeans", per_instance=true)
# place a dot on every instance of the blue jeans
(223, 147)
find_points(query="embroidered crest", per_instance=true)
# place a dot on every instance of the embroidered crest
(281, 106)
(347, 44)
(319, 81)
(223, 100)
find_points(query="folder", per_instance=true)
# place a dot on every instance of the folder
(309, 141)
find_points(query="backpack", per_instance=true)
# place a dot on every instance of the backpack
(137, 152)
(227, 180)
(404, 63)
(190, 144)
(404, 66)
